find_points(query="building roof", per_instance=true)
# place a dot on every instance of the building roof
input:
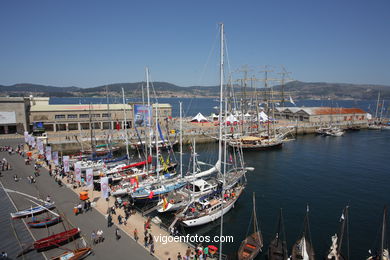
(66, 108)
(322, 110)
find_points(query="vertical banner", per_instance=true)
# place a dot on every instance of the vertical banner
(40, 146)
(26, 138)
(142, 115)
(48, 153)
(29, 140)
(77, 171)
(104, 187)
(55, 158)
(65, 162)
(89, 177)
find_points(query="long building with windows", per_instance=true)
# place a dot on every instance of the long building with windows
(84, 117)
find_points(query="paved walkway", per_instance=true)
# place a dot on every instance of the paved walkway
(65, 199)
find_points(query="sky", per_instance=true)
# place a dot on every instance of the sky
(88, 43)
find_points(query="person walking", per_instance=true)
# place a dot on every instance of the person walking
(135, 235)
(93, 237)
(117, 234)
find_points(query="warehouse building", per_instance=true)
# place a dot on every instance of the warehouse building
(321, 114)
(14, 115)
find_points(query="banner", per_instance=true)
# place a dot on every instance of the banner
(40, 146)
(65, 162)
(89, 177)
(48, 153)
(26, 137)
(142, 115)
(77, 171)
(104, 187)
(55, 157)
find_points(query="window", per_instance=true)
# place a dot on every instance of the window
(59, 116)
(106, 115)
(95, 115)
(84, 115)
(72, 116)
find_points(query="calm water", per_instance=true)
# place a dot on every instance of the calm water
(327, 173)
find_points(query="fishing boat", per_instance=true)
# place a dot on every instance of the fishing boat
(334, 131)
(277, 249)
(74, 255)
(56, 239)
(46, 222)
(252, 244)
(303, 247)
(335, 252)
(32, 211)
(382, 253)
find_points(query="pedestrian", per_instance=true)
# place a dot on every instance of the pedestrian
(109, 220)
(101, 235)
(4, 255)
(120, 219)
(179, 256)
(135, 234)
(188, 252)
(152, 248)
(146, 240)
(48, 199)
(75, 210)
(80, 208)
(89, 205)
(93, 237)
(16, 179)
(117, 235)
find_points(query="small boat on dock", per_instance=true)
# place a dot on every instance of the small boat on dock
(253, 243)
(46, 222)
(74, 255)
(277, 249)
(256, 143)
(32, 211)
(381, 253)
(337, 240)
(303, 247)
(56, 239)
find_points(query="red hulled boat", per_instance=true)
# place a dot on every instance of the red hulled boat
(56, 239)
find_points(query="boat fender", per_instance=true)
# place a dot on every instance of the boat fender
(172, 201)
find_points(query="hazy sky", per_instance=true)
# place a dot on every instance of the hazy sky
(89, 43)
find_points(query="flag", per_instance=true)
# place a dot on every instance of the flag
(118, 126)
(104, 187)
(292, 101)
(230, 158)
(77, 171)
(165, 203)
(132, 181)
(40, 146)
(136, 180)
(89, 177)
(55, 157)
(26, 137)
(65, 161)
(48, 153)
(151, 195)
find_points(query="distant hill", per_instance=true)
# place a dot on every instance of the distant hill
(297, 89)
(323, 90)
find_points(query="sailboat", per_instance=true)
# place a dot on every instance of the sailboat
(205, 210)
(335, 252)
(277, 249)
(303, 248)
(383, 253)
(252, 244)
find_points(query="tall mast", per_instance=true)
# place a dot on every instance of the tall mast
(125, 126)
(156, 135)
(383, 230)
(220, 135)
(149, 113)
(377, 106)
(109, 118)
(181, 143)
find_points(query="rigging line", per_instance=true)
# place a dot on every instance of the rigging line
(212, 50)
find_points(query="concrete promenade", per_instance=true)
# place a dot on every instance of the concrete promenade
(65, 199)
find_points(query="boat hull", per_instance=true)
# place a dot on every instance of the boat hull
(56, 240)
(33, 211)
(47, 222)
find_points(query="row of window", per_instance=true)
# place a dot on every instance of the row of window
(72, 116)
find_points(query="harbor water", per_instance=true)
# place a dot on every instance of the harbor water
(327, 173)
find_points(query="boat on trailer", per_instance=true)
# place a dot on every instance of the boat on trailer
(32, 211)
(46, 222)
(56, 240)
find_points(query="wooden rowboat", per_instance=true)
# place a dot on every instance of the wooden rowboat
(56, 239)
(74, 255)
(32, 211)
(46, 222)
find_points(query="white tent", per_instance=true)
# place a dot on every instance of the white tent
(231, 119)
(263, 116)
(199, 118)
